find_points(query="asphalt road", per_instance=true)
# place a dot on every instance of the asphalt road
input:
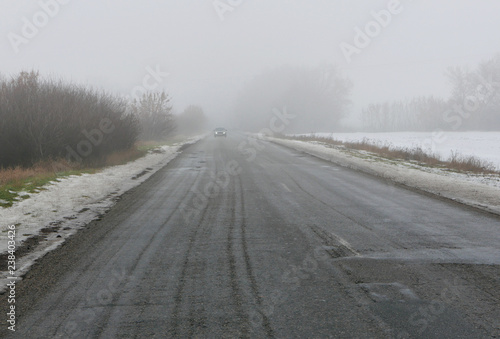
(239, 238)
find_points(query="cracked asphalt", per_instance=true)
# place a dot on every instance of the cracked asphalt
(238, 237)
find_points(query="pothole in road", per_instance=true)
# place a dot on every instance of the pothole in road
(389, 291)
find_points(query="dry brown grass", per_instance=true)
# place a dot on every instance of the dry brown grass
(51, 168)
(470, 164)
(141, 144)
(14, 181)
(42, 169)
(122, 157)
(456, 162)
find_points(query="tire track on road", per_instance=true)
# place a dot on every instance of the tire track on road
(248, 267)
(396, 245)
(179, 294)
(104, 319)
(236, 292)
(108, 314)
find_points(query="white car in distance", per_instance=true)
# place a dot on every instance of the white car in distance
(220, 132)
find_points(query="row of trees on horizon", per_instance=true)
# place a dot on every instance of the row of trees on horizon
(319, 98)
(44, 119)
(474, 104)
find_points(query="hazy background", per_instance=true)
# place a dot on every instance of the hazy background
(109, 44)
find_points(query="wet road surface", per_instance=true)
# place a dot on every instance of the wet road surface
(243, 238)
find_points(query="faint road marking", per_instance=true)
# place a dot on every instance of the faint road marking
(286, 187)
(345, 243)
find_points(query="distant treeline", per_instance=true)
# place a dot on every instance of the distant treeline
(45, 119)
(474, 105)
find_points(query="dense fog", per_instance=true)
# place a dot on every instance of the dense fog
(333, 65)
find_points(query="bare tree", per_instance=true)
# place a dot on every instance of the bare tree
(46, 119)
(417, 114)
(476, 94)
(155, 115)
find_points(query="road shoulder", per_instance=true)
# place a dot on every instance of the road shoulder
(447, 185)
(46, 220)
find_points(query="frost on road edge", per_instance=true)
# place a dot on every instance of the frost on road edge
(444, 184)
(69, 204)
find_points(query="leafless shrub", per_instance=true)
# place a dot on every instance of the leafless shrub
(154, 114)
(470, 163)
(44, 119)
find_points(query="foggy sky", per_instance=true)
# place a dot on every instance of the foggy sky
(209, 55)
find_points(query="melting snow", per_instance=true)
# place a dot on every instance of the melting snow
(68, 204)
(482, 191)
(484, 145)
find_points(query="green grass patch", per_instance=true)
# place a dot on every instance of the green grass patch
(150, 145)
(19, 183)
(20, 189)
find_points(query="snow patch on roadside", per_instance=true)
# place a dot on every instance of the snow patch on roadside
(482, 191)
(483, 145)
(70, 203)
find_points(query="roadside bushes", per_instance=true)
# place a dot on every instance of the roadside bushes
(155, 116)
(46, 119)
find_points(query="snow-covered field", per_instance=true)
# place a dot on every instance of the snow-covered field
(484, 145)
(70, 203)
